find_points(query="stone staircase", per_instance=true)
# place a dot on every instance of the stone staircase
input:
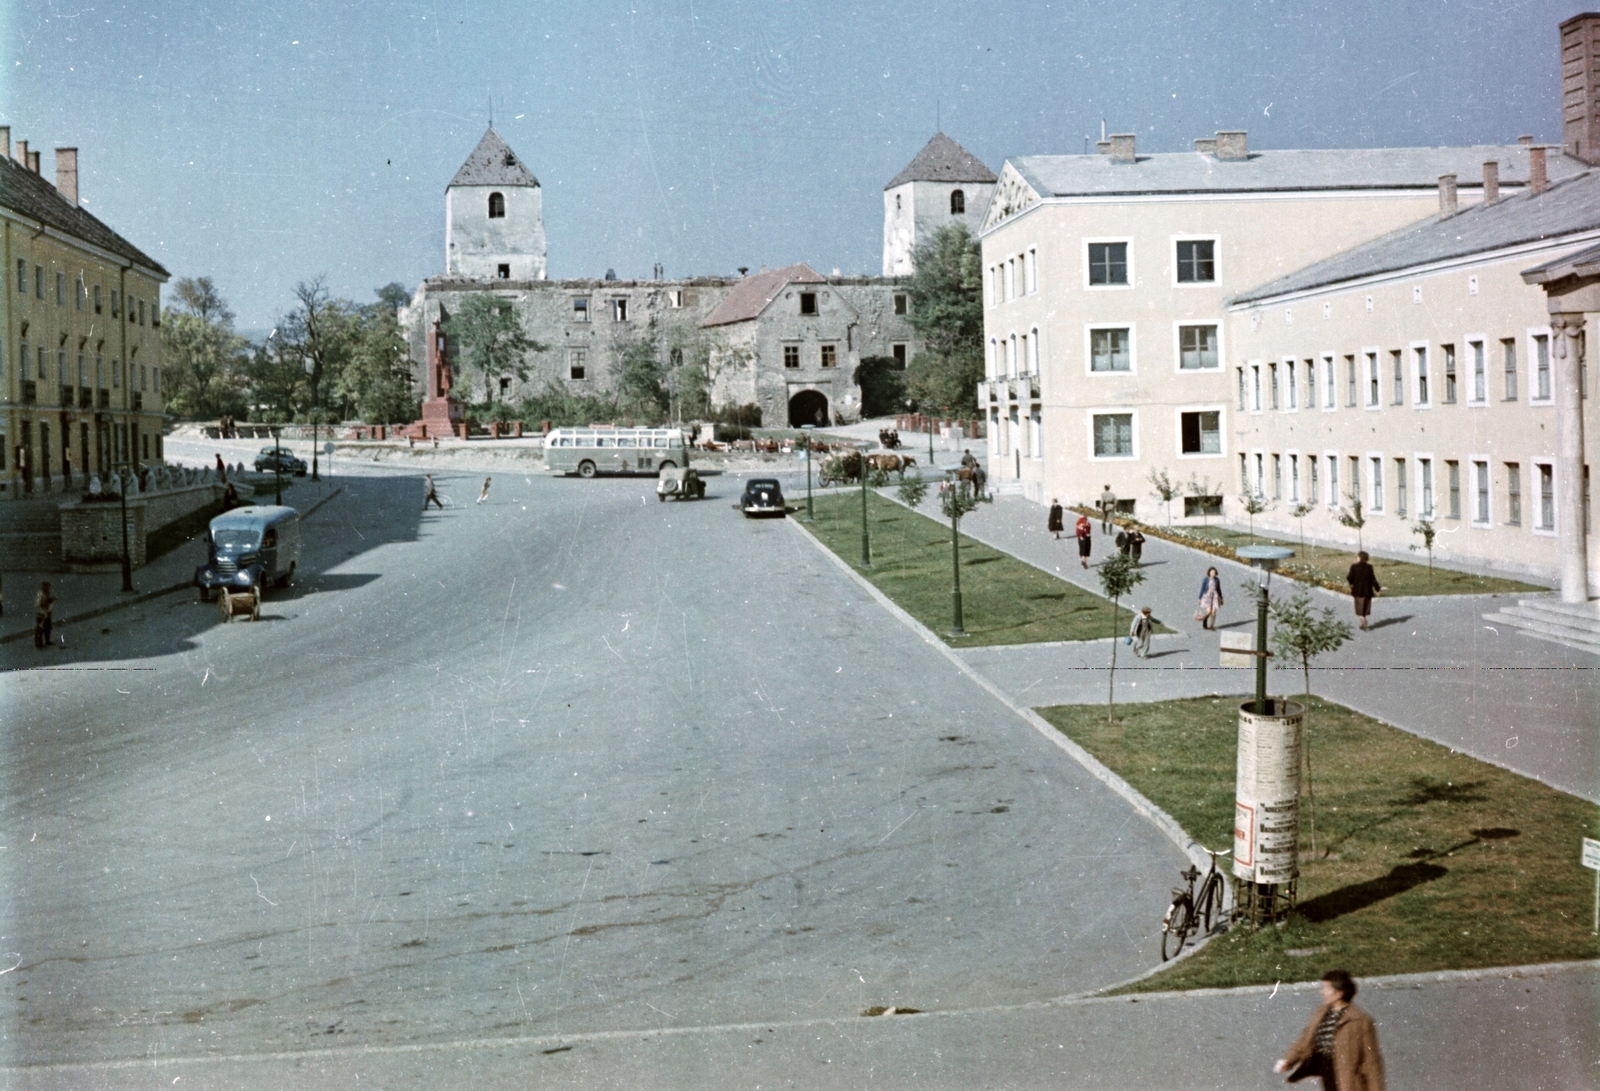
(1575, 624)
(30, 535)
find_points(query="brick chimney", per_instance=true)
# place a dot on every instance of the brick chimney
(1491, 181)
(1206, 145)
(1122, 148)
(1447, 195)
(67, 173)
(1580, 86)
(1525, 140)
(1231, 144)
(5, 141)
(33, 162)
(1102, 147)
(22, 153)
(1538, 181)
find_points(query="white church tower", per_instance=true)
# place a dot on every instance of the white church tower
(945, 183)
(494, 217)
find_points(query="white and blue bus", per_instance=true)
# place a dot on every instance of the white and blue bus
(603, 450)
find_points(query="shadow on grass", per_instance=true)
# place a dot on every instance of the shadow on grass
(1349, 899)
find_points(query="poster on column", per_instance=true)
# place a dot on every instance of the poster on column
(1266, 831)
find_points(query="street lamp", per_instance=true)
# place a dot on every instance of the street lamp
(277, 469)
(866, 543)
(1263, 558)
(806, 430)
(316, 416)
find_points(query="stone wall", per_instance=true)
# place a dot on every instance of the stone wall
(91, 534)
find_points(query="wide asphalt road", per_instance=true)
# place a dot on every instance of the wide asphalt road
(566, 762)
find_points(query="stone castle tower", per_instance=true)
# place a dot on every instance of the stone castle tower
(494, 217)
(945, 183)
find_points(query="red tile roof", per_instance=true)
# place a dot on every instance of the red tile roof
(752, 294)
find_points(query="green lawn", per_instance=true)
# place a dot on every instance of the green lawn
(1328, 567)
(1004, 601)
(1427, 859)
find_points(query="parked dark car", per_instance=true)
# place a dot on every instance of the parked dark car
(284, 461)
(762, 496)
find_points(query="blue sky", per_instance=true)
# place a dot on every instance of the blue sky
(265, 146)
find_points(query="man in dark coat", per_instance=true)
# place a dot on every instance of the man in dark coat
(1340, 1044)
(1363, 586)
(1135, 543)
(1054, 525)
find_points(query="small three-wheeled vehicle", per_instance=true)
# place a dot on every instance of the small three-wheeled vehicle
(250, 549)
(680, 483)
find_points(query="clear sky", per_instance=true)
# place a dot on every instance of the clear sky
(265, 144)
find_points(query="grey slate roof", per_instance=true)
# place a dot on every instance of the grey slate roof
(751, 295)
(28, 194)
(493, 163)
(943, 160)
(1584, 263)
(1301, 169)
(1567, 208)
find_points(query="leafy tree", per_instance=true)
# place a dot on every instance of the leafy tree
(205, 358)
(1118, 575)
(946, 294)
(489, 342)
(277, 379)
(912, 491)
(1297, 633)
(1424, 527)
(393, 296)
(1166, 490)
(641, 380)
(1353, 518)
(1300, 511)
(1200, 488)
(1254, 504)
(320, 332)
(883, 385)
(688, 377)
(377, 378)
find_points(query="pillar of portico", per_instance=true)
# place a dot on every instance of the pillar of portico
(1567, 330)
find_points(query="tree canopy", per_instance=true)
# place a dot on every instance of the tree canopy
(204, 357)
(488, 342)
(947, 311)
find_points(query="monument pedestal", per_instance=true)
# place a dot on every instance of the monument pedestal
(442, 416)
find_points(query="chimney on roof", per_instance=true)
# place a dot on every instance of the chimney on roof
(1538, 182)
(33, 162)
(1206, 145)
(1491, 181)
(22, 153)
(1447, 195)
(1122, 148)
(67, 173)
(5, 141)
(1103, 147)
(1525, 141)
(1580, 86)
(1231, 144)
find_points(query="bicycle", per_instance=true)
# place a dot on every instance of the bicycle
(1187, 908)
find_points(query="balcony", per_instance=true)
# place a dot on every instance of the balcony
(30, 392)
(1033, 387)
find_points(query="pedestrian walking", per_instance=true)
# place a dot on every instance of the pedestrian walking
(42, 621)
(1108, 508)
(1054, 524)
(969, 461)
(1139, 632)
(1124, 542)
(1340, 1044)
(230, 497)
(432, 495)
(1135, 543)
(1085, 532)
(1210, 600)
(222, 468)
(484, 493)
(1363, 583)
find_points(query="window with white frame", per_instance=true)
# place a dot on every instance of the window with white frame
(1011, 357)
(1508, 357)
(1110, 349)
(1197, 261)
(1291, 385)
(1355, 477)
(1244, 473)
(1294, 478)
(1425, 478)
(1452, 474)
(1377, 483)
(1331, 381)
(1200, 432)
(1333, 481)
(1113, 435)
(1255, 383)
(1197, 347)
(1108, 264)
(1480, 493)
(1261, 474)
(1419, 358)
(1514, 494)
(1277, 477)
(1312, 489)
(1011, 278)
(1398, 367)
(1036, 435)
(1272, 383)
(1372, 379)
(1541, 367)
(1547, 496)
(1400, 483)
(1449, 373)
(1239, 371)
(1033, 271)
(1311, 384)
(1480, 372)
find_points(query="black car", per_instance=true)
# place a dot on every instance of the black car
(277, 458)
(762, 496)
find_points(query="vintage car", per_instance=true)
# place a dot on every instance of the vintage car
(277, 458)
(680, 483)
(250, 549)
(762, 496)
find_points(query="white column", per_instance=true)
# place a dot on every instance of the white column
(1568, 329)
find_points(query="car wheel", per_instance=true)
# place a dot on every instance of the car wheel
(667, 466)
(586, 468)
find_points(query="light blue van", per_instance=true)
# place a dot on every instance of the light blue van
(251, 547)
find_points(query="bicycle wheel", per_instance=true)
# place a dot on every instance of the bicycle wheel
(1210, 903)
(1176, 926)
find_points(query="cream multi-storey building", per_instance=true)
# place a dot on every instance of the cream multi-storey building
(80, 365)
(1107, 280)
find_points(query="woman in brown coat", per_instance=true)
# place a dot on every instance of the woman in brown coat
(1340, 1044)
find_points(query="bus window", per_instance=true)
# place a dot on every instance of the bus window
(624, 442)
(605, 441)
(660, 442)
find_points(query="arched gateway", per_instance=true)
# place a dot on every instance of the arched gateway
(808, 407)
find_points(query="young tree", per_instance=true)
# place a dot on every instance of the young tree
(205, 359)
(641, 380)
(911, 492)
(320, 332)
(1424, 527)
(947, 311)
(1118, 576)
(1353, 518)
(377, 379)
(1200, 488)
(1254, 504)
(1166, 490)
(489, 342)
(1299, 634)
(1300, 511)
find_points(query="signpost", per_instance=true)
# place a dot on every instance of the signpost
(1591, 859)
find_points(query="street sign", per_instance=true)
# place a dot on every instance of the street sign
(1238, 649)
(327, 449)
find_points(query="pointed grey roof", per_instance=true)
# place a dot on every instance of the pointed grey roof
(943, 160)
(493, 163)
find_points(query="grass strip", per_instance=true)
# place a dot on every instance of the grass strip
(1327, 567)
(1004, 600)
(1426, 859)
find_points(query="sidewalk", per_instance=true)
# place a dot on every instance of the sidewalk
(1430, 665)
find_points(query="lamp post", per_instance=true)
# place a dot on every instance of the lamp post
(930, 443)
(316, 416)
(127, 558)
(1263, 558)
(277, 469)
(806, 430)
(866, 543)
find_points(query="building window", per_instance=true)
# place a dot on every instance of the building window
(1547, 497)
(1291, 387)
(1377, 484)
(1108, 350)
(116, 373)
(1311, 384)
(1480, 372)
(38, 281)
(1372, 379)
(791, 356)
(899, 303)
(116, 305)
(1313, 491)
(1200, 432)
(1355, 477)
(899, 353)
(497, 206)
(808, 302)
(80, 293)
(1277, 477)
(1420, 356)
(580, 308)
(1333, 481)
(1197, 347)
(830, 356)
(1108, 263)
(958, 203)
(1272, 383)
(619, 310)
(1514, 494)
(1255, 385)
(141, 312)
(1425, 472)
(1508, 351)
(578, 364)
(1351, 381)
(503, 270)
(1196, 262)
(22, 275)
(1400, 486)
(1480, 488)
(1294, 478)
(1541, 367)
(1449, 374)
(1452, 472)
(1397, 359)
(1239, 371)
(1113, 435)
(1031, 271)
(61, 289)
(1261, 476)
(1244, 474)
(97, 299)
